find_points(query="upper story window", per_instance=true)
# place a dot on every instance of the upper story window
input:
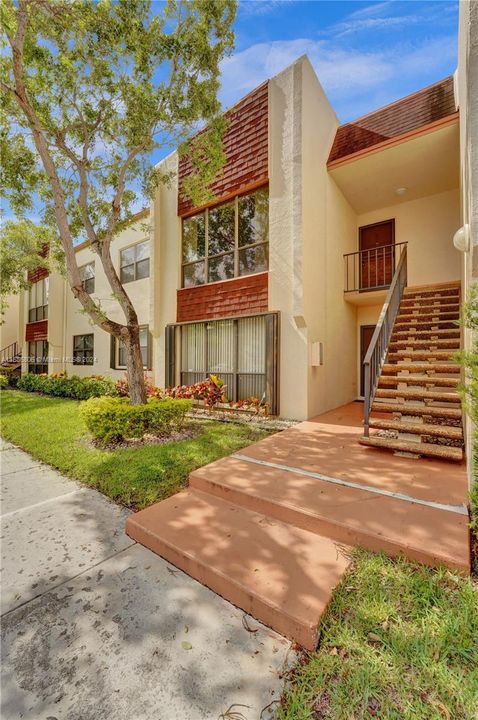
(134, 262)
(87, 275)
(227, 241)
(38, 300)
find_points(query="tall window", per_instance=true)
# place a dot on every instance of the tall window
(144, 342)
(134, 262)
(236, 350)
(227, 241)
(38, 357)
(83, 346)
(87, 275)
(38, 301)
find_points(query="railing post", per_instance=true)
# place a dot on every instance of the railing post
(366, 399)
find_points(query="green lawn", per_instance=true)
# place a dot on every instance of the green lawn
(398, 642)
(51, 430)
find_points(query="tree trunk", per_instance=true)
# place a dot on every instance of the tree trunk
(134, 368)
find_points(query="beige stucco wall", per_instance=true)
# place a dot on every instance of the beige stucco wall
(10, 327)
(427, 225)
(78, 323)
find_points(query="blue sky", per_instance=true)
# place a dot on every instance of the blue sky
(366, 54)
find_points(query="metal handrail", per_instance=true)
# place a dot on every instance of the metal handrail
(372, 269)
(9, 353)
(378, 348)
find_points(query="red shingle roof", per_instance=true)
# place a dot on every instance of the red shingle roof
(403, 116)
(246, 148)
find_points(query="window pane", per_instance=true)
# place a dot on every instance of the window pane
(220, 347)
(121, 355)
(194, 238)
(88, 341)
(89, 285)
(221, 229)
(142, 250)
(32, 315)
(46, 285)
(193, 348)
(127, 273)
(127, 256)
(221, 268)
(143, 337)
(44, 312)
(78, 342)
(142, 269)
(255, 259)
(193, 274)
(251, 345)
(254, 218)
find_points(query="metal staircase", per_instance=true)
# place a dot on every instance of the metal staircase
(10, 358)
(413, 405)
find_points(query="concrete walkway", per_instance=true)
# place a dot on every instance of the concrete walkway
(95, 626)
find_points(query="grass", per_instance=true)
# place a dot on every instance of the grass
(399, 642)
(51, 430)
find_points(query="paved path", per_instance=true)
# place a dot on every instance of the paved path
(95, 627)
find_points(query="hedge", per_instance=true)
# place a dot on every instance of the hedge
(60, 385)
(113, 419)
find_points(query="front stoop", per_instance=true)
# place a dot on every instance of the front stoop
(280, 574)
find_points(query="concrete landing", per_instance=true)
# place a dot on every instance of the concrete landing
(280, 574)
(264, 527)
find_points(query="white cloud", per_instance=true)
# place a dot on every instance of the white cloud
(356, 81)
(249, 8)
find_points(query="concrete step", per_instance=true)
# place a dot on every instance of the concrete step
(445, 431)
(430, 290)
(430, 300)
(278, 573)
(419, 334)
(453, 343)
(419, 394)
(428, 367)
(432, 309)
(350, 515)
(393, 380)
(418, 323)
(419, 355)
(417, 410)
(427, 449)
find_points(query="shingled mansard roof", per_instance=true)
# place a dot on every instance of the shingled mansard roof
(413, 112)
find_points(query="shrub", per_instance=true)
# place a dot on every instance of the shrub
(112, 419)
(3, 382)
(74, 387)
(211, 391)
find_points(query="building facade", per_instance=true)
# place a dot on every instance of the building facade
(278, 284)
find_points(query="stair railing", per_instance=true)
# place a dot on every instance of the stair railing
(378, 348)
(10, 353)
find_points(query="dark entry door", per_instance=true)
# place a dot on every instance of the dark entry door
(377, 256)
(366, 332)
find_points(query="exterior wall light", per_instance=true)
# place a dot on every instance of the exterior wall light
(461, 239)
(401, 191)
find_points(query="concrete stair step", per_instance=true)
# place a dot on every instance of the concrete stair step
(350, 515)
(393, 380)
(444, 431)
(431, 309)
(431, 317)
(448, 333)
(412, 355)
(419, 323)
(453, 343)
(440, 290)
(430, 300)
(419, 394)
(428, 367)
(278, 573)
(417, 410)
(427, 449)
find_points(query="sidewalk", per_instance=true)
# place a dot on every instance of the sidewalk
(95, 626)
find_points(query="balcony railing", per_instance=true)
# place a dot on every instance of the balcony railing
(372, 269)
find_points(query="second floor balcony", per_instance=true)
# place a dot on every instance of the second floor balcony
(371, 270)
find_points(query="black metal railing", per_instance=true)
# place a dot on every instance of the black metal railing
(372, 269)
(10, 353)
(378, 348)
